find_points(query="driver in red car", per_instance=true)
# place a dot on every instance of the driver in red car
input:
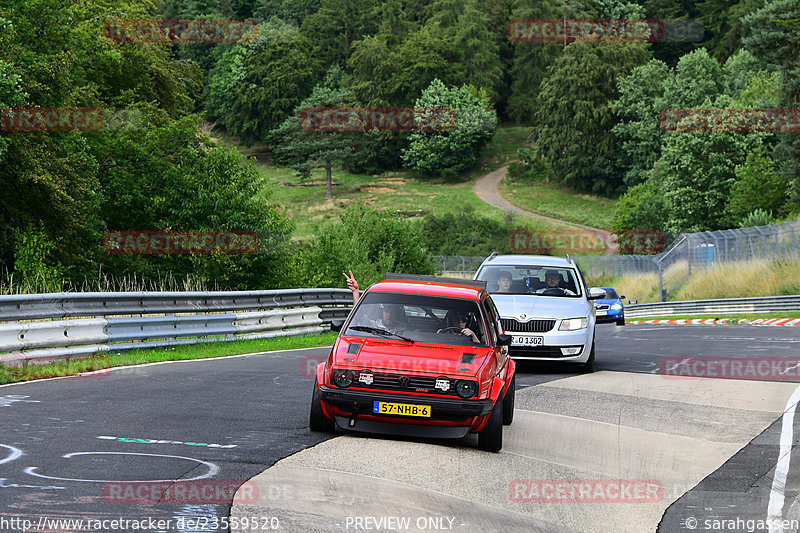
(457, 325)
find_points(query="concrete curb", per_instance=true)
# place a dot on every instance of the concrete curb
(723, 321)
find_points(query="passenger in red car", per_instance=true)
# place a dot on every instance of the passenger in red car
(390, 317)
(352, 284)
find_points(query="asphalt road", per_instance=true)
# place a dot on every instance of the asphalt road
(66, 444)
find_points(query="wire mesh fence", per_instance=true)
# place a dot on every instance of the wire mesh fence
(693, 252)
(690, 252)
(456, 265)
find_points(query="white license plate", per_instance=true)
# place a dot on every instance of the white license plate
(527, 340)
(600, 313)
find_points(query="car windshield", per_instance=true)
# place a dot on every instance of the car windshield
(531, 279)
(414, 318)
(610, 294)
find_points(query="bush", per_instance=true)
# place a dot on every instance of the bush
(642, 207)
(368, 242)
(757, 187)
(32, 271)
(448, 153)
(465, 233)
(758, 217)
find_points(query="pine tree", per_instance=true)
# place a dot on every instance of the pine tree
(573, 120)
(776, 41)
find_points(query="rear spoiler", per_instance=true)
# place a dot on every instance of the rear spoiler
(436, 279)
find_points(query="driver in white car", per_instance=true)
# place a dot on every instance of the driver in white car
(552, 280)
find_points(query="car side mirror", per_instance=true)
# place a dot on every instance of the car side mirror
(504, 339)
(336, 325)
(621, 297)
(596, 293)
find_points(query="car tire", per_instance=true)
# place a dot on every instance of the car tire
(508, 402)
(588, 366)
(317, 421)
(490, 439)
(621, 322)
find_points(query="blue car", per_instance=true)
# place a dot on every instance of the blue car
(609, 308)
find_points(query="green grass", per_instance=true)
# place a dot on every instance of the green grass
(556, 201)
(398, 192)
(501, 149)
(414, 197)
(13, 374)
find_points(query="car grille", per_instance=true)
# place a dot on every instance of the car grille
(385, 381)
(537, 351)
(602, 307)
(532, 326)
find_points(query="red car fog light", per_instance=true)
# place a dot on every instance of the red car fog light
(342, 378)
(466, 389)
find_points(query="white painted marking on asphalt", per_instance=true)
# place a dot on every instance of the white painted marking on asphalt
(212, 469)
(776, 495)
(157, 441)
(790, 368)
(16, 486)
(6, 401)
(15, 454)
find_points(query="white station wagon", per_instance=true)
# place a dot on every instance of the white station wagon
(544, 305)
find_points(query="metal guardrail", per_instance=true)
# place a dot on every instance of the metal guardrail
(53, 326)
(769, 304)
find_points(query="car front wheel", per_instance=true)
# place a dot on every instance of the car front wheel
(317, 420)
(490, 439)
(588, 366)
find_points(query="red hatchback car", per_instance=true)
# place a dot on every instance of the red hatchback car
(419, 356)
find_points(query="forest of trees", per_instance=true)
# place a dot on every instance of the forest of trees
(593, 109)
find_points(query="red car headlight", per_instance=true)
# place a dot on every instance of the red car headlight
(342, 378)
(466, 389)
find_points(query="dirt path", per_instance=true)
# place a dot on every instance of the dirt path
(486, 189)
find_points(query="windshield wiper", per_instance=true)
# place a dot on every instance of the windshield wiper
(379, 331)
